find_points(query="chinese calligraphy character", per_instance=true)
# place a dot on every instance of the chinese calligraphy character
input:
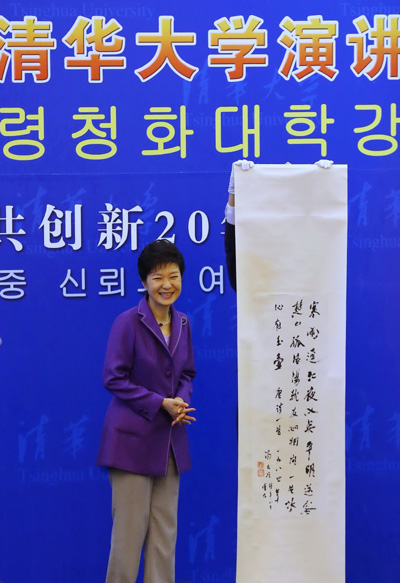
(290, 505)
(310, 395)
(9, 231)
(236, 43)
(166, 54)
(118, 226)
(297, 308)
(313, 332)
(57, 224)
(310, 426)
(92, 40)
(310, 46)
(278, 361)
(76, 432)
(296, 342)
(29, 49)
(384, 50)
(38, 432)
(393, 208)
(314, 310)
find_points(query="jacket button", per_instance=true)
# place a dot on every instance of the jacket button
(168, 373)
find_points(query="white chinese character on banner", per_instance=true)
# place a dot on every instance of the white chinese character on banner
(118, 226)
(9, 231)
(57, 225)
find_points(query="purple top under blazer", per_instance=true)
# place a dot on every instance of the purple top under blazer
(140, 370)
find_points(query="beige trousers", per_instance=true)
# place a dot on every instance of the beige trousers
(144, 511)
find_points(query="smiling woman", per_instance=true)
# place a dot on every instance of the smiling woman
(149, 370)
(161, 266)
(163, 286)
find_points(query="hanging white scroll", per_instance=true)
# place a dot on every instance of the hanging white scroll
(291, 245)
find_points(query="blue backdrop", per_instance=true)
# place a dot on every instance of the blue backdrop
(306, 82)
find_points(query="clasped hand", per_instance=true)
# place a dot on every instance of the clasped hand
(178, 410)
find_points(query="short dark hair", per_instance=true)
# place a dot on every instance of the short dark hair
(156, 254)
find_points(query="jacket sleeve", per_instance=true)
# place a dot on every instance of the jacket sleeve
(185, 387)
(117, 370)
(230, 251)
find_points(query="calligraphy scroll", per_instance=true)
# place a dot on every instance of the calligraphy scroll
(291, 239)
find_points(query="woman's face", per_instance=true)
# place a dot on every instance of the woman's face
(163, 285)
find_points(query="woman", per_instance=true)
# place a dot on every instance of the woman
(149, 370)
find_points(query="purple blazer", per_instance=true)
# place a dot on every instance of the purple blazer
(140, 370)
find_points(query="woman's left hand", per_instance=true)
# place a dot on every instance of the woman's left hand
(178, 410)
(184, 418)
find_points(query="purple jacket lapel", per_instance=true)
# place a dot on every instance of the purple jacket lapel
(176, 329)
(150, 322)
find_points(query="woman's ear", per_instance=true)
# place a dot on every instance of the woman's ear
(144, 284)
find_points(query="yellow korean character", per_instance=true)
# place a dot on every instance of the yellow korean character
(90, 115)
(390, 140)
(20, 117)
(246, 130)
(301, 115)
(162, 117)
